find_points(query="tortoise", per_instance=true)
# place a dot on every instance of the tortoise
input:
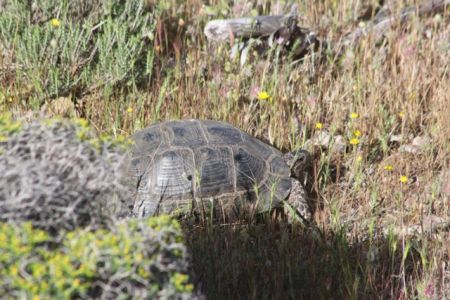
(186, 165)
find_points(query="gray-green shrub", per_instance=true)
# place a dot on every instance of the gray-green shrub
(58, 175)
(75, 47)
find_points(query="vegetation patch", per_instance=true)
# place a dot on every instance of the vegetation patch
(143, 259)
(58, 175)
(74, 47)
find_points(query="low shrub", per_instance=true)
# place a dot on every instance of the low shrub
(54, 48)
(58, 175)
(144, 259)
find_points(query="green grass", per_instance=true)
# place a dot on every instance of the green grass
(130, 66)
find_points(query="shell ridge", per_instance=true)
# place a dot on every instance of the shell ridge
(203, 131)
(233, 169)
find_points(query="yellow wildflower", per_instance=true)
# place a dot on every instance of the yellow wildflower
(129, 110)
(357, 133)
(388, 167)
(36, 297)
(319, 125)
(65, 260)
(126, 249)
(263, 95)
(82, 122)
(14, 270)
(354, 141)
(76, 282)
(412, 95)
(354, 115)
(359, 158)
(55, 22)
(142, 272)
(3, 238)
(403, 179)
(401, 114)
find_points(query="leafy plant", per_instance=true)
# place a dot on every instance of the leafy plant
(143, 259)
(76, 47)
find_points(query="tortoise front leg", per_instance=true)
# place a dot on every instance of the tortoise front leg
(297, 206)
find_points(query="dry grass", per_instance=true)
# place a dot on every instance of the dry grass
(365, 246)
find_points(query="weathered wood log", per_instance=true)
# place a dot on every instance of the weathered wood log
(271, 32)
(253, 27)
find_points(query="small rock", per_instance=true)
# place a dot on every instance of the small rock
(322, 139)
(418, 144)
(408, 149)
(396, 138)
(430, 224)
(421, 142)
(325, 140)
(339, 144)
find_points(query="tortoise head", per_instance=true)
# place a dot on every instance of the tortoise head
(300, 162)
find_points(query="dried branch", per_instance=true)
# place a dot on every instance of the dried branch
(383, 21)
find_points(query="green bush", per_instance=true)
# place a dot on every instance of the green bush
(58, 175)
(56, 48)
(143, 259)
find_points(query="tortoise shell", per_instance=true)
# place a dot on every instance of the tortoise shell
(180, 165)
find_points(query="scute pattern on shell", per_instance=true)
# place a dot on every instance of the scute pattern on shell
(179, 165)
